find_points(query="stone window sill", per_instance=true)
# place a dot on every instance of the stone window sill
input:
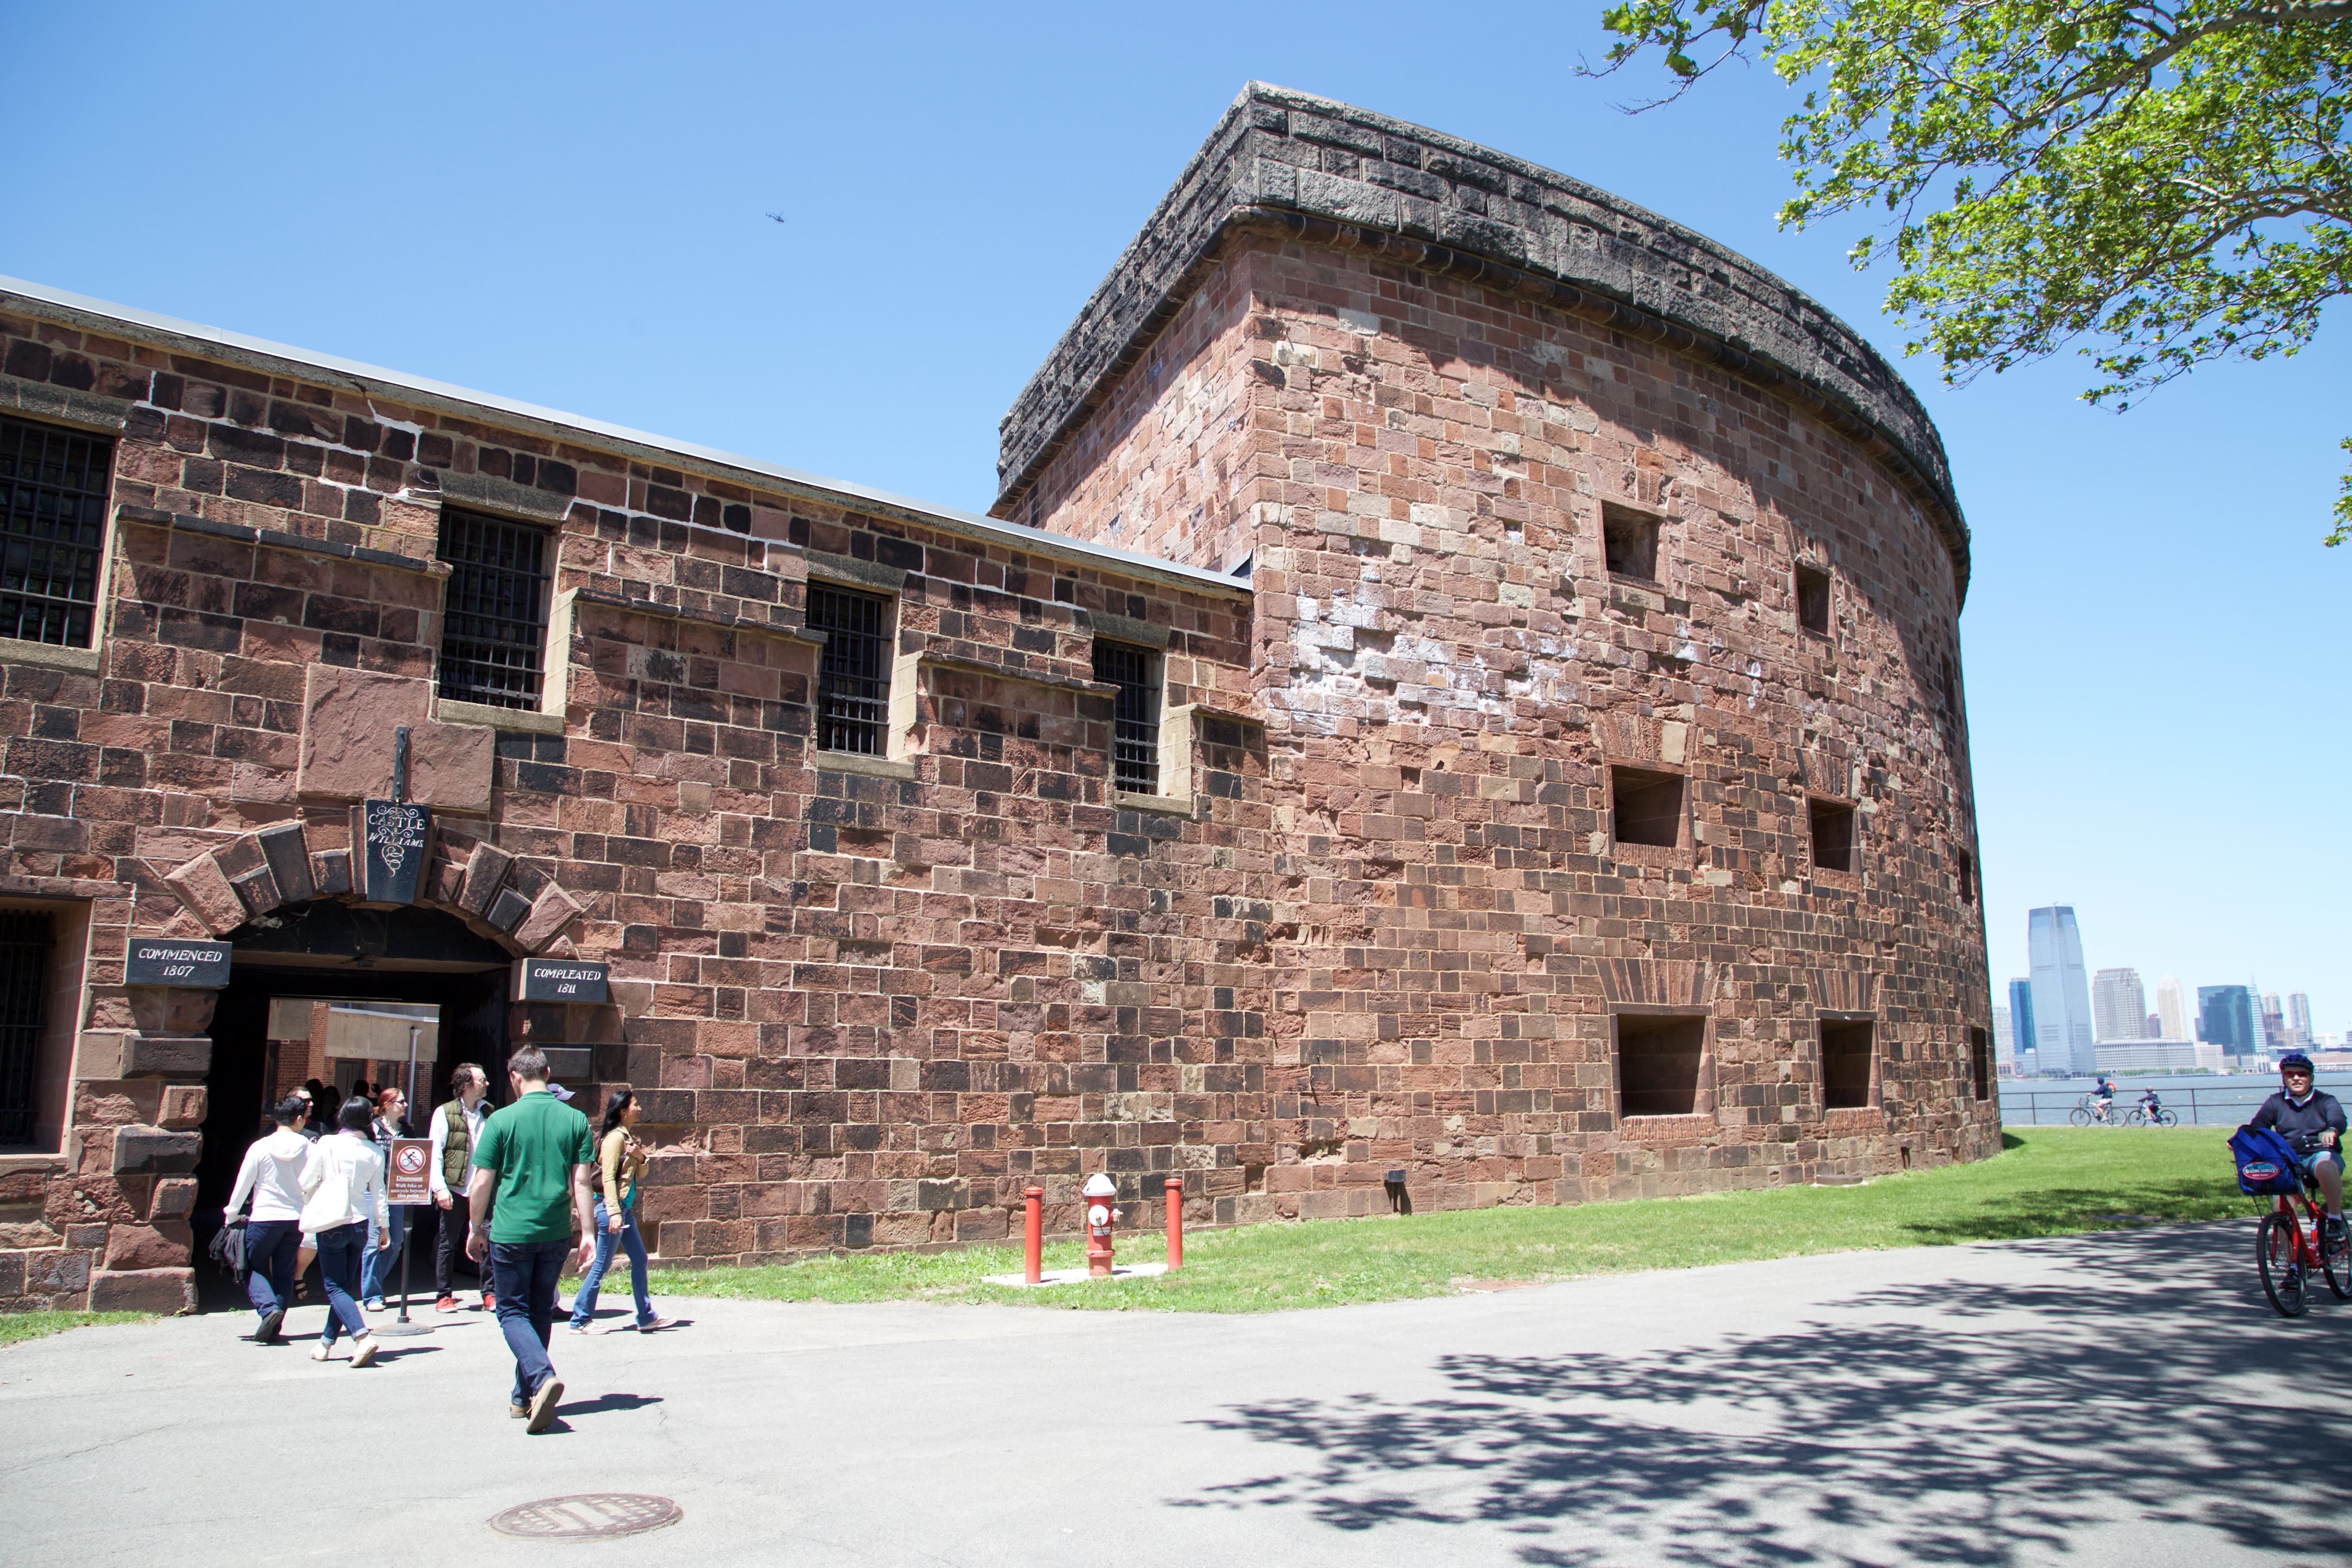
(1164, 804)
(449, 710)
(14, 1164)
(854, 762)
(50, 656)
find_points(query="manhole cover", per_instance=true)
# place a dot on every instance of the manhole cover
(591, 1516)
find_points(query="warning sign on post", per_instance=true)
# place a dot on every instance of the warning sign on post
(409, 1180)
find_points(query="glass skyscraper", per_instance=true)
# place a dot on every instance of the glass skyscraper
(2225, 1017)
(2062, 1039)
(2020, 1017)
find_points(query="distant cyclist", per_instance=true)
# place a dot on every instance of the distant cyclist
(2314, 1123)
(2103, 1093)
(2153, 1104)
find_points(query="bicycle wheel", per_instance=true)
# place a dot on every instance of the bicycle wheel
(2167, 1119)
(2135, 1118)
(2080, 1116)
(2274, 1253)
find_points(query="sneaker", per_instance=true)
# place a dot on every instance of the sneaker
(542, 1405)
(268, 1333)
(446, 1304)
(582, 1328)
(321, 1350)
(362, 1353)
(489, 1302)
(2332, 1228)
(648, 1325)
(519, 1412)
(374, 1306)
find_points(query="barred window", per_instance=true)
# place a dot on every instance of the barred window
(1135, 718)
(53, 493)
(852, 683)
(494, 632)
(24, 980)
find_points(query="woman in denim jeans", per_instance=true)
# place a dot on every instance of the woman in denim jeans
(621, 1160)
(342, 1201)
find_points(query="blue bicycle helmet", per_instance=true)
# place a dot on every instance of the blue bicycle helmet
(2292, 1061)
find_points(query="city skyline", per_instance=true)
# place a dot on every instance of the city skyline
(2039, 1011)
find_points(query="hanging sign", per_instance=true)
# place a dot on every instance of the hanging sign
(149, 962)
(408, 1179)
(559, 980)
(391, 850)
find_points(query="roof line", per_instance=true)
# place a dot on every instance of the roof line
(970, 522)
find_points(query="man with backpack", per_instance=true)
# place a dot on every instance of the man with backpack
(2312, 1124)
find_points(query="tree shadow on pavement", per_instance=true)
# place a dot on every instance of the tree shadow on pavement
(1966, 1423)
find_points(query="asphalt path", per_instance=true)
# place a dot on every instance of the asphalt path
(2121, 1399)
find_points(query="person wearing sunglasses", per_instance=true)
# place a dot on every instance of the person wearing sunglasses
(2310, 1119)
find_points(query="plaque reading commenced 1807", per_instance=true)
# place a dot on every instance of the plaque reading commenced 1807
(392, 856)
(148, 962)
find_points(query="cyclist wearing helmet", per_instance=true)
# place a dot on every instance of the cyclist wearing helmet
(2152, 1103)
(2314, 1123)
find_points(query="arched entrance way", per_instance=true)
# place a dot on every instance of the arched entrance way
(423, 964)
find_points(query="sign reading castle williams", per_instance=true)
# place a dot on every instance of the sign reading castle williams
(559, 980)
(202, 965)
(391, 850)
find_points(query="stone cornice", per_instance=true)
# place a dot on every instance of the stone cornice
(1323, 173)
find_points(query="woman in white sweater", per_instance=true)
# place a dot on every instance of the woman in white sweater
(343, 1199)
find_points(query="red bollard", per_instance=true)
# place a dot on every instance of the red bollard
(1034, 1258)
(1175, 1225)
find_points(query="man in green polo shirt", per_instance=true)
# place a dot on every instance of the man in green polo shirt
(530, 1166)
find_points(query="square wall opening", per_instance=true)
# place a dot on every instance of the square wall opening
(1832, 829)
(1813, 600)
(1847, 1048)
(1657, 1063)
(1631, 540)
(1645, 807)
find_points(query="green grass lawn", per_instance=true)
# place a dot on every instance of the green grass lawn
(2048, 1181)
(17, 1327)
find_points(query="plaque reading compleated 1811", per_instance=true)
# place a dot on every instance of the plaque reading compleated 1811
(391, 851)
(149, 962)
(559, 980)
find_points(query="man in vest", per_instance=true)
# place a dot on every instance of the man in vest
(457, 1128)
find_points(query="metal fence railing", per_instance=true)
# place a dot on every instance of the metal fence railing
(2225, 1104)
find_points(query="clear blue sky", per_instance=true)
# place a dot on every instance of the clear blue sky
(569, 205)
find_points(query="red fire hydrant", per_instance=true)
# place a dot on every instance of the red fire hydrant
(1097, 1193)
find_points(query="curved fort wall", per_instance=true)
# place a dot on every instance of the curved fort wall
(1413, 384)
(1375, 913)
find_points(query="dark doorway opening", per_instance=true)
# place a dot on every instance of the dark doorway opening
(332, 953)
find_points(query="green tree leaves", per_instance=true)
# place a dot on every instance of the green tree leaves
(2161, 184)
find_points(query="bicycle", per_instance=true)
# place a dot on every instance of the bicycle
(2088, 1111)
(2163, 1117)
(2287, 1253)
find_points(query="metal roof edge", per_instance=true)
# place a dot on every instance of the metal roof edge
(955, 518)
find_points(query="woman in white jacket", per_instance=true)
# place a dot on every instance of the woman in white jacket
(342, 1198)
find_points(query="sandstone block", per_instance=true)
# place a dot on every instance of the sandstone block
(56, 1274)
(165, 1246)
(204, 891)
(166, 1290)
(289, 857)
(552, 911)
(348, 719)
(174, 1198)
(152, 1151)
(183, 1106)
(165, 1055)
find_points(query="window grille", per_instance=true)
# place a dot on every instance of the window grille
(1135, 716)
(53, 493)
(853, 685)
(494, 633)
(24, 974)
